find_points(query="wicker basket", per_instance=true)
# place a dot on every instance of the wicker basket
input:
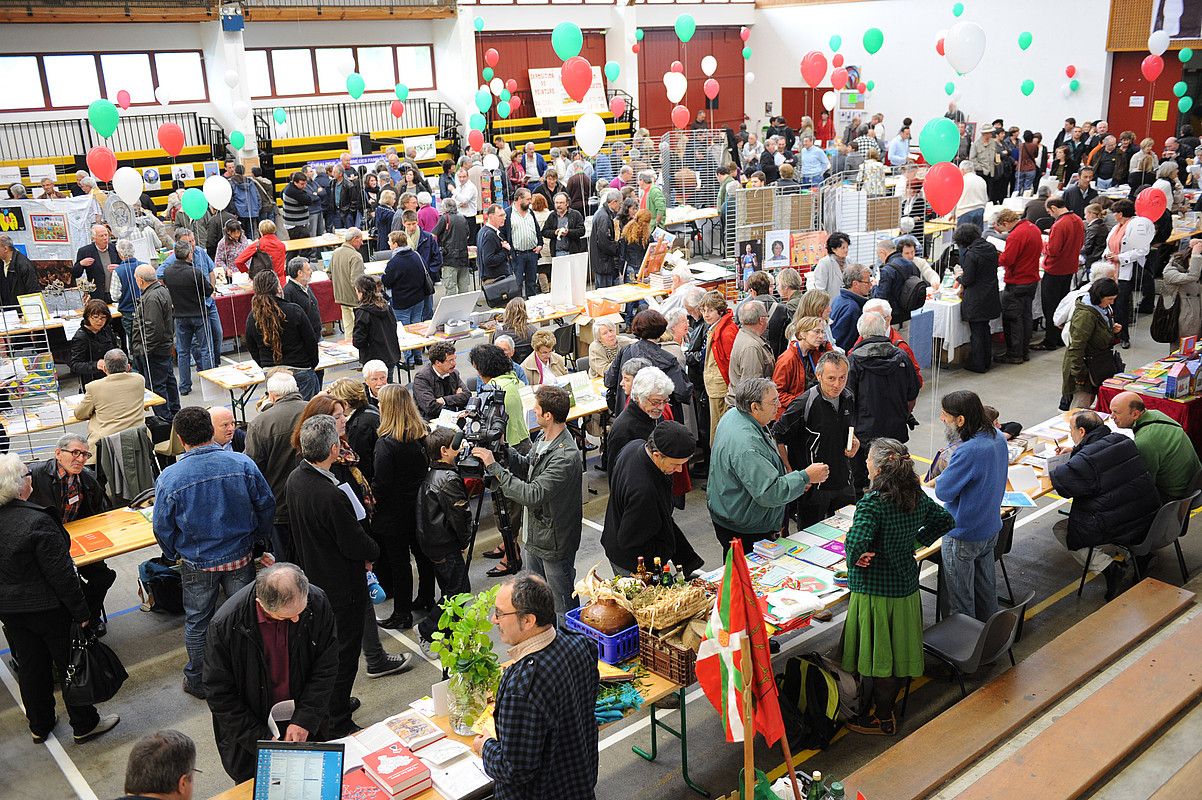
(677, 664)
(660, 616)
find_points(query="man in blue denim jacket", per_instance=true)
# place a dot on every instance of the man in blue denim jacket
(212, 508)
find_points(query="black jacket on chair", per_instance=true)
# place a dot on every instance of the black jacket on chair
(1114, 496)
(44, 477)
(981, 301)
(36, 572)
(235, 666)
(375, 336)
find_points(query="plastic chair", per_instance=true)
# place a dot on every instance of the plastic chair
(581, 364)
(1005, 541)
(966, 644)
(1195, 489)
(1166, 529)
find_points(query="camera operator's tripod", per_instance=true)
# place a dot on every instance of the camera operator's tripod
(500, 510)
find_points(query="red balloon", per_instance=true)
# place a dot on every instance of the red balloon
(123, 99)
(634, 48)
(102, 163)
(710, 87)
(1070, 70)
(837, 60)
(171, 138)
(677, 67)
(681, 117)
(515, 103)
(1151, 67)
(939, 46)
(839, 78)
(744, 33)
(491, 57)
(475, 139)
(397, 108)
(943, 186)
(576, 75)
(1150, 203)
(813, 68)
(511, 85)
(861, 87)
(617, 106)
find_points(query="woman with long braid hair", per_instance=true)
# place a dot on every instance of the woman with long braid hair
(279, 334)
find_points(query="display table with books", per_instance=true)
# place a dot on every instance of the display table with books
(1170, 385)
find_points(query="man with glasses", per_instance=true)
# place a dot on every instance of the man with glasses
(66, 486)
(849, 304)
(162, 766)
(546, 733)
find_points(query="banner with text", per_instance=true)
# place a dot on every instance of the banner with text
(552, 100)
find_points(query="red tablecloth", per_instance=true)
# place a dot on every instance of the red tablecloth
(1187, 412)
(235, 308)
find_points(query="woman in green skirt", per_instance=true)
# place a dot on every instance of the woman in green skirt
(882, 636)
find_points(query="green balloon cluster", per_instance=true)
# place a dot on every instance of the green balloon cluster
(1180, 88)
(1027, 87)
(476, 122)
(1184, 55)
(1074, 85)
(746, 53)
(612, 70)
(355, 85)
(194, 203)
(502, 109)
(685, 27)
(237, 140)
(478, 24)
(567, 40)
(488, 74)
(504, 96)
(1024, 40)
(873, 39)
(836, 43)
(402, 92)
(957, 9)
(939, 140)
(279, 115)
(483, 100)
(949, 88)
(103, 116)
(1185, 104)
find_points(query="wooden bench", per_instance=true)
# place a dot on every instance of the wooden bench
(1077, 750)
(947, 745)
(1184, 783)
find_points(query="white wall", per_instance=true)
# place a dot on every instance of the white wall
(910, 75)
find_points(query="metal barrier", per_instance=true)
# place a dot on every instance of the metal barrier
(20, 141)
(332, 119)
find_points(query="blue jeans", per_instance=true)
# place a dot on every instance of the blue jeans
(974, 217)
(605, 281)
(200, 601)
(308, 383)
(345, 219)
(1103, 183)
(160, 379)
(215, 329)
(525, 269)
(409, 316)
(968, 574)
(1023, 181)
(560, 576)
(191, 331)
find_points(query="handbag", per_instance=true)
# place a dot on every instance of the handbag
(1165, 321)
(500, 292)
(94, 672)
(1103, 366)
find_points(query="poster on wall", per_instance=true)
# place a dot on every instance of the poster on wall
(37, 172)
(776, 249)
(183, 172)
(50, 230)
(10, 175)
(423, 146)
(152, 179)
(12, 219)
(1180, 19)
(212, 168)
(552, 100)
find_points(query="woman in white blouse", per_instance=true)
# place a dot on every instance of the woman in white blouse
(1127, 246)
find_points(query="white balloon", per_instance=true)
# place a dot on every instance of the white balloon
(749, 78)
(496, 85)
(162, 95)
(491, 162)
(127, 183)
(1158, 42)
(231, 78)
(345, 64)
(829, 99)
(590, 133)
(709, 65)
(217, 191)
(964, 45)
(676, 84)
(241, 108)
(1066, 91)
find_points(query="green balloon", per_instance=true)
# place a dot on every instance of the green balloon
(836, 43)
(949, 88)
(1185, 104)
(194, 203)
(1179, 88)
(871, 85)
(402, 91)
(746, 53)
(488, 74)
(1024, 40)
(476, 122)
(355, 85)
(873, 39)
(685, 26)
(1074, 85)
(939, 140)
(483, 100)
(279, 115)
(238, 140)
(639, 33)
(612, 70)
(567, 40)
(503, 110)
(1028, 87)
(478, 24)
(1184, 55)
(103, 116)
(504, 96)
(957, 9)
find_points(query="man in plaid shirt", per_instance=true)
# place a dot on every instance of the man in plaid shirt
(546, 743)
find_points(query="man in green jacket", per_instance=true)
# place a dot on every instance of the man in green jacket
(651, 197)
(1162, 443)
(748, 486)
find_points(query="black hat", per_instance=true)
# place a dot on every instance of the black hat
(673, 440)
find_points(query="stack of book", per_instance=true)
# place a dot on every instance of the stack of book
(398, 771)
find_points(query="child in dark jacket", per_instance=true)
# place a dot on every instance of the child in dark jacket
(444, 523)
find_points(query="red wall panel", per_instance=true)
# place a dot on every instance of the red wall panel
(661, 47)
(519, 52)
(1127, 81)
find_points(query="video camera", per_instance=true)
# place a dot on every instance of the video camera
(483, 424)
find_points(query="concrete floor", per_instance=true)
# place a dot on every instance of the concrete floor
(151, 646)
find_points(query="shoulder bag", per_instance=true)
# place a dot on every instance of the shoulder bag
(94, 672)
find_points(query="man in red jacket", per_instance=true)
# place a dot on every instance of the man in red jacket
(1061, 256)
(269, 244)
(1020, 262)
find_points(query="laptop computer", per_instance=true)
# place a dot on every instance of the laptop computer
(298, 771)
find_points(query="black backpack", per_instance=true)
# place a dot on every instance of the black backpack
(259, 262)
(160, 587)
(816, 694)
(914, 293)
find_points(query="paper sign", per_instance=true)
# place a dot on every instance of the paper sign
(1135, 101)
(423, 146)
(9, 176)
(552, 100)
(1160, 110)
(360, 512)
(1023, 479)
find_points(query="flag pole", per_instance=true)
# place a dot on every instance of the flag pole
(748, 723)
(784, 744)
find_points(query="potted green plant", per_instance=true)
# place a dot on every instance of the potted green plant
(464, 649)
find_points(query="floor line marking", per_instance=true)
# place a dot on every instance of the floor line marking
(411, 645)
(592, 525)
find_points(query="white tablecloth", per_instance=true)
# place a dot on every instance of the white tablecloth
(954, 331)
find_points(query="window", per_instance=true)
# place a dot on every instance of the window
(182, 75)
(128, 71)
(415, 66)
(72, 79)
(293, 72)
(378, 69)
(258, 78)
(24, 83)
(333, 65)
